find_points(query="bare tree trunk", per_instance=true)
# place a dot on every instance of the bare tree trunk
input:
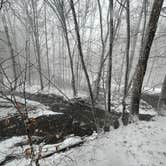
(11, 50)
(59, 9)
(27, 52)
(81, 53)
(1, 75)
(63, 64)
(71, 64)
(73, 82)
(59, 72)
(154, 61)
(145, 20)
(97, 82)
(110, 56)
(36, 36)
(46, 43)
(144, 55)
(134, 42)
(13, 38)
(104, 41)
(28, 27)
(162, 99)
(53, 54)
(144, 10)
(127, 56)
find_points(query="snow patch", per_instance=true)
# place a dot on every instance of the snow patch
(53, 90)
(35, 110)
(138, 144)
(152, 90)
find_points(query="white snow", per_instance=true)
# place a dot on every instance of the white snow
(6, 112)
(52, 90)
(68, 142)
(149, 112)
(36, 109)
(138, 144)
(145, 108)
(40, 112)
(5, 102)
(6, 147)
(152, 90)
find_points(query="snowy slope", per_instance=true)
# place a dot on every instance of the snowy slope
(139, 144)
(36, 109)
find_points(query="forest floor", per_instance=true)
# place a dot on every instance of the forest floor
(142, 143)
(139, 144)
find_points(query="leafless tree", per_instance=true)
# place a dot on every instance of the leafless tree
(46, 42)
(110, 55)
(127, 55)
(36, 37)
(58, 7)
(82, 56)
(10, 46)
(144, 55)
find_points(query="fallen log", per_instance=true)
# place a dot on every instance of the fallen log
(62, 147)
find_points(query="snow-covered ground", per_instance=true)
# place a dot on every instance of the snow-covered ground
(36, 109)
(144, 108)
(53, 90)
(152, 90)
(138, 144)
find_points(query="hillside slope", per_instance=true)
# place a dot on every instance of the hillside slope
(139, 144)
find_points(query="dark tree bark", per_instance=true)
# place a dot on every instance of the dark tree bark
(27, 53)
(1, 73)
(110, 57)
(1, 77)
(81, 54)
(144, 55)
